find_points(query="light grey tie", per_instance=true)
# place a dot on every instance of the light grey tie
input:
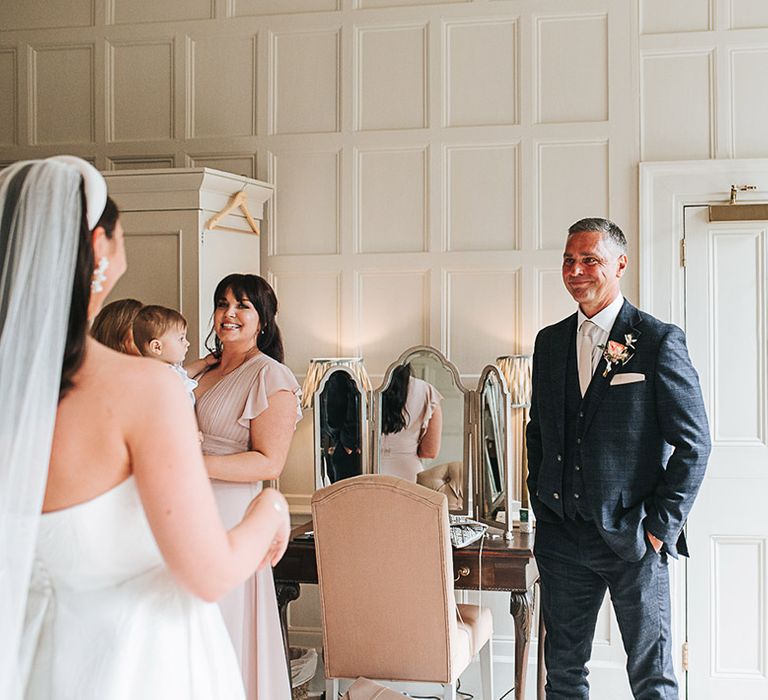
(586, 351)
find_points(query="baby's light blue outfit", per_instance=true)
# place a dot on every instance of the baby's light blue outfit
(189, 384)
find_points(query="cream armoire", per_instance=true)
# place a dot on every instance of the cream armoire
(174, 259)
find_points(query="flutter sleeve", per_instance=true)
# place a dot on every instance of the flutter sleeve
(270, 379)
(432, 400)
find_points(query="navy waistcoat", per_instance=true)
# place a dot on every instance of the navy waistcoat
(574, 496)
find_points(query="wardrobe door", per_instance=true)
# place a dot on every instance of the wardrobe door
(163, 264)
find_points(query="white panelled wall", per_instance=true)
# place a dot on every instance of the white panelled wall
(427, 156)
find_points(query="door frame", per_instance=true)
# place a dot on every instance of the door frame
(666, 188)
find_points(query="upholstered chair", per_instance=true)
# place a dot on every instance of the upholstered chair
(385, 570)
(445, 478)
(365, 689)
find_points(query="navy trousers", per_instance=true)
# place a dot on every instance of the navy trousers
(576, 568)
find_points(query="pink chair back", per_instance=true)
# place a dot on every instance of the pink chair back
(385, 569)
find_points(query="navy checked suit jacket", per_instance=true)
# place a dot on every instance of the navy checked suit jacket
(645, 444)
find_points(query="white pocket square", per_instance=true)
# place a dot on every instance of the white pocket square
(627, 378)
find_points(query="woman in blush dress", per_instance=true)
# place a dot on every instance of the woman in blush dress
(247, 410)
(411, 424)
(108, 593)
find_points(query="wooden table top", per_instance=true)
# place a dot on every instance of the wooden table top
(504, 565)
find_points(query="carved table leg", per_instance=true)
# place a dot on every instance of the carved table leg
(286, 593)
(521, 608)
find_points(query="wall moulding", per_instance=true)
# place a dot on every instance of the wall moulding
(50, 65)
(9, 87)
(126, 120)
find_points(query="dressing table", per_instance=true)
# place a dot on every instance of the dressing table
(507, 565)
(476, 464)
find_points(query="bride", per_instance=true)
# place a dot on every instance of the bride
(111, 545)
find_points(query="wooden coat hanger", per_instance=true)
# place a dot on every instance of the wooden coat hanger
(236, 201)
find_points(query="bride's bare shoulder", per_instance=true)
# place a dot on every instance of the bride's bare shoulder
(125, 373)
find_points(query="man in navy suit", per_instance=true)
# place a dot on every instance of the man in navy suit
(618, 443)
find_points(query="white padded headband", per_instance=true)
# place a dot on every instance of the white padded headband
(95, 187)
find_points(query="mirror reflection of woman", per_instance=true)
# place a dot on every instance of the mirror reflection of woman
(340, 426)
(411, 424)
(247, 410)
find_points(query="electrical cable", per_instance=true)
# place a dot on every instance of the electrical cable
(507, 693)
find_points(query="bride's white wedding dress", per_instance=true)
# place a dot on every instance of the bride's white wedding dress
(106, 620)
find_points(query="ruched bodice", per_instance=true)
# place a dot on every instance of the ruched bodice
(106, 619)
(225, 411)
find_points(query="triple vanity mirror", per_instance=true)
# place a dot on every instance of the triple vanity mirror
(424, 425)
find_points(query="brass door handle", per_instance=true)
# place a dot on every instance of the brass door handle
(463, 571)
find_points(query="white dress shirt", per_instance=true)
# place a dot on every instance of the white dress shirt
(604, 321)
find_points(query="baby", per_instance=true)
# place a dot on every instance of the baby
(161, 333)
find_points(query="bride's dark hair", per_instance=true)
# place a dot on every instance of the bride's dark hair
(74, 350)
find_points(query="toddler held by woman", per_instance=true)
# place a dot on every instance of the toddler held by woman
(161, 333)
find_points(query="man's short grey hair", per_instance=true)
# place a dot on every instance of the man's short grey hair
(611, 233)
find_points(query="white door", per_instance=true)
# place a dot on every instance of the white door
(726, 318)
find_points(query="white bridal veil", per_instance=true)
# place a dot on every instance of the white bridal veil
(40, 214)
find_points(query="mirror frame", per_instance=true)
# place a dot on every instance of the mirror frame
(405, 356)
(510, 478)
(317, 428)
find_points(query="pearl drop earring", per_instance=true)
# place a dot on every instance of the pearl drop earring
(99, 276)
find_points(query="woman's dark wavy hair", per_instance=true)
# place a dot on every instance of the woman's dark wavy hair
(258, 291)
(77, 330)
(394, 415)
